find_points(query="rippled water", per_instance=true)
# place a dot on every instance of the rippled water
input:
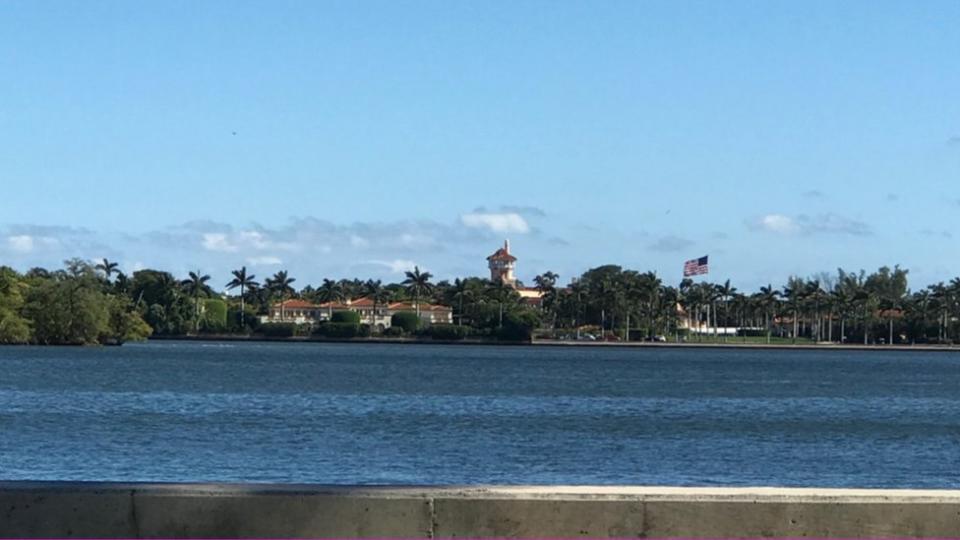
(385, 414)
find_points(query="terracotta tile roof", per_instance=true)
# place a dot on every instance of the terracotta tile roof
(295, 303)
(364, 302)
(501, 255)
(409, 306)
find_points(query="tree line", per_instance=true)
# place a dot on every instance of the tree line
(87, 303)
(849, 307)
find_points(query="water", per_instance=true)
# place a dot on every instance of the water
(384, 414)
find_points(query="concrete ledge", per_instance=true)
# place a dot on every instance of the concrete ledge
(40, 509)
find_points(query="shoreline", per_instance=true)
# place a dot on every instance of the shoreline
(559, 343)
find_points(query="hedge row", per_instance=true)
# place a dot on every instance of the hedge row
(342, 330)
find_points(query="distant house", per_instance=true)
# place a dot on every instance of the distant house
(502, 265)
(303, 312)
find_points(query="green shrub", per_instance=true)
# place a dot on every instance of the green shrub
(278, 329)
(447, 331)
(351, 317)
(13, 329)
(407, 320)
(341, 330)
(751, 332)
(365, 330)
(250, 319)
(214, 315)
(394, 331)
(519, 325)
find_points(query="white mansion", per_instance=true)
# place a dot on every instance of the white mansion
(303, 312)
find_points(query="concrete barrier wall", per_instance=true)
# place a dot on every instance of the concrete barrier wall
(34, 509)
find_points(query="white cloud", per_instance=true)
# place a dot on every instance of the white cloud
(828, 223)
(396, 266)
(777, 223)
(218, 242)
(509, 222)
(254, 238)
(22, 243)
(266, 260)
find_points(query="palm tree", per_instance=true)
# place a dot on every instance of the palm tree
(894, 297)
(460, 290)
(194, 286)
(546, 281)
(860, 295)
(843, 300)
(768, 299)
(375, 291)
(649, 286)
(578, 290)
(242, 280)
(122, 284)
(793, 292)
(667, 301)
(107, 267)
(815, 293)
(279, 285)
(725, 291)
(546, 284)
(418, 283)
(329, 292)
(501, 292)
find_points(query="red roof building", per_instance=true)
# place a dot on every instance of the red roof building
(303, 312)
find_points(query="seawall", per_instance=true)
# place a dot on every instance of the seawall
(66, 509)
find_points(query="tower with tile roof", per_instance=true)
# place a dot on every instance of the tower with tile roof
(502, 264)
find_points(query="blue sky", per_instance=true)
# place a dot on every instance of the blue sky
(341, 139)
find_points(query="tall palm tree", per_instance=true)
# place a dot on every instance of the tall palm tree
(726, 291)
(244, 281)
(894, 300)
(860, 296)
(417, 284)
(768, 300)
(501, 293)
(460, 290)
(577, 291)
(939, 296)
(122, 283)
(843, 300)
(793, 293)
(194, 286)
(329, 292)
(280, 285)
(375, 291)
(546, 284)
(668, 300)
(814, 293)
(649, 286)
(107, 267)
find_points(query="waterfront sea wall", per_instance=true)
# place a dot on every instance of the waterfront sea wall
(65, 509)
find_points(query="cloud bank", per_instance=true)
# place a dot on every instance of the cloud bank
(820, 224)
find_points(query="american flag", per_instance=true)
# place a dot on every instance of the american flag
(695, 267)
